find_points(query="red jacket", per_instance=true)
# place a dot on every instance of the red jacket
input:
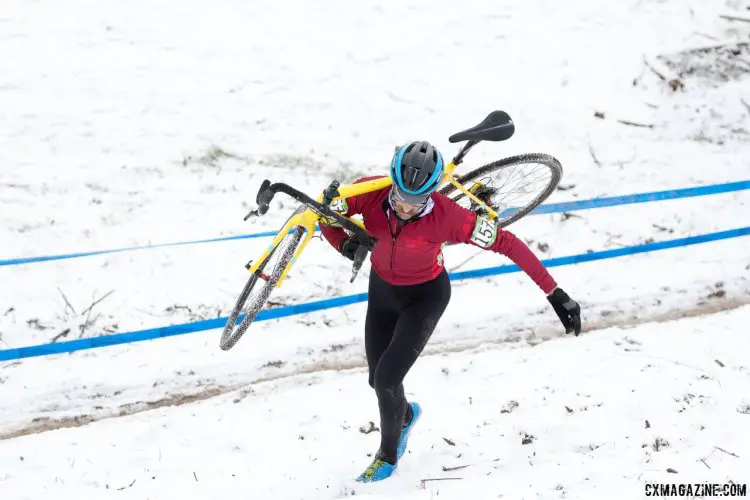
(411, 253)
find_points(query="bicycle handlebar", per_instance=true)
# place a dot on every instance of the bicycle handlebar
(267, 191)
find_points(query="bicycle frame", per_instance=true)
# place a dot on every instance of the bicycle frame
(308, 218)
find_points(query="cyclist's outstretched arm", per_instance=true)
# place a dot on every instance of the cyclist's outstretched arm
(464, 226)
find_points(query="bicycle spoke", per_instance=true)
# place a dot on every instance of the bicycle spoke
(513, 172)
(531, 182)
(544, 178)
(518, 187)
(522, 189)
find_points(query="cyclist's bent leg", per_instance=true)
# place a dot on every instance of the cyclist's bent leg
(426, 304)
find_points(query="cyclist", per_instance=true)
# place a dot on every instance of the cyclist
(409, 288)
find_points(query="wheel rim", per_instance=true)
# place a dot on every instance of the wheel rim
(266, 276)
(271, 268)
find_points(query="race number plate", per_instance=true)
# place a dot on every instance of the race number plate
(485, 232)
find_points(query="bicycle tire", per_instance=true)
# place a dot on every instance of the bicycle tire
(550, 162)
(230, 336)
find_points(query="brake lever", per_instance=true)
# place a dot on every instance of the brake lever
(262, 200)
(331, 192)
(252, 213)
(359, 258)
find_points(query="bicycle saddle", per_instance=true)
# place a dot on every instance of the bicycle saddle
(498, 126)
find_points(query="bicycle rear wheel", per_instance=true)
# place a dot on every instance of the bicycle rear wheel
(259, 287)
(512, 187)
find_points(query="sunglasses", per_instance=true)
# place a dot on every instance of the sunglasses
(396, 196)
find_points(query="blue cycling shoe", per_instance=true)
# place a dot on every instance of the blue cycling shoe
(380, 469)
(416, 413)
(377, 471)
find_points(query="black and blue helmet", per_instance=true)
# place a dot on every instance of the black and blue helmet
(417, 170)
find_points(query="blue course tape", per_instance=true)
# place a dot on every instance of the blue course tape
(280, 312)
(29, 260)
(671, 194)
(567, 206)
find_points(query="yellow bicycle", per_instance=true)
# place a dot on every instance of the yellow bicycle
(477, 191)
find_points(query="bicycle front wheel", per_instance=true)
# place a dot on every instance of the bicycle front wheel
(259, 288)
(512, 187)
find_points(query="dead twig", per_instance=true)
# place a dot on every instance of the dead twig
(747, 106)
(128, 486)
(622, 163)
(60, 335)
(743, 62)
(718, 45)
(704, 462)
(423, 481)
(67, 302)
(652, 67)
(593, 156)
(88, 309)
(85, 324)
(35, 323)
(705, 35)
(567, 215)
(177, 306)
(448, 469)
(735, 17)
(635, 124)
(727, 452)
(664, 73)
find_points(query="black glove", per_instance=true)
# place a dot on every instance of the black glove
(349, 247)
(567, 309)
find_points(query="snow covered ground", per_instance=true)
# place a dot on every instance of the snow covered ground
(150, 122)
(504, 309)
(154, 123)
(597, 416)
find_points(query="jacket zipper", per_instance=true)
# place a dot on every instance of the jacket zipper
(393, 240)
(399, 226)
(393, 250)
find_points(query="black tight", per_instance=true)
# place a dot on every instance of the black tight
(400, 321)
